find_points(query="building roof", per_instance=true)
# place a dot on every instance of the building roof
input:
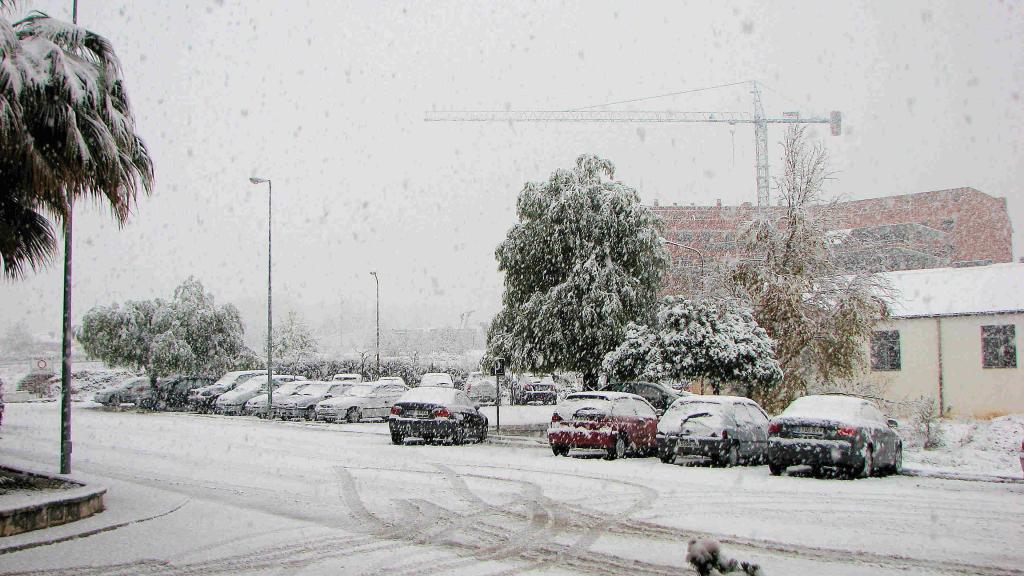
(992, 289)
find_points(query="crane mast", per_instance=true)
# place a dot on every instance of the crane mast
(758, 119)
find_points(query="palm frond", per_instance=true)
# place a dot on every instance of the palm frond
(27, 240)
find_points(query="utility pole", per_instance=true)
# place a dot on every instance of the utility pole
(377, 281)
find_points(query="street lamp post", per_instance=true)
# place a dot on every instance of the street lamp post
(377, 281)
(270, 309)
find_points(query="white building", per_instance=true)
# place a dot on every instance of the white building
(954, 336)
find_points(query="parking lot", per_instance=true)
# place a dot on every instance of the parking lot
(203, 494)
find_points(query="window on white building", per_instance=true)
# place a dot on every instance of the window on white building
(999, 346)
(885, 350)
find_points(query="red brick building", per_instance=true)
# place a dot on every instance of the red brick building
(961, 226)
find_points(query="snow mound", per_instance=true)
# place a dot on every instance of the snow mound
(988, 447)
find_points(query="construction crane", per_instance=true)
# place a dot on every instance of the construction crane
(464, 318)
(758, 119)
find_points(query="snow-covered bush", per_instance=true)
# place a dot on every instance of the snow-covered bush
(188, 335)
(706, 557)
(584, 260)
(717, 341)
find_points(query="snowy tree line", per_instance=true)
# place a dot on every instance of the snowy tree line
(583, 268)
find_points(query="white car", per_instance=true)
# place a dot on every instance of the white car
(368, 400)
(258, 404)
(442, 379)
(393, 380)
(354, 378)
(481, 388)
(233, 402)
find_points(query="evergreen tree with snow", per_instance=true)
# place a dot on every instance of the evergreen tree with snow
(584, 260)
(189, 334)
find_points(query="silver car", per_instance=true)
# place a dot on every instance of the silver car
(721, 429)
(257, 405)
(302, 404)
(369, 400)
(233, 402)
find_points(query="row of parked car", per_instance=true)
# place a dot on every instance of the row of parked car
(843, 433)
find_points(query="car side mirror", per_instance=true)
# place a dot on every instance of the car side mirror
(892, 423)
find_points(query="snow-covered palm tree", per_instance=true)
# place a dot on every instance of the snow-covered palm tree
(66, 132)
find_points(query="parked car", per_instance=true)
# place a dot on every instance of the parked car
(366, 400)
(481, 388)
(722, 429)
(436, 413)
(836, 431)
(202, 399)
(257, 405)
(658, 395)
(233, 402)
(170, 393)
(354, 378)
(394, 380)
(537, 390)
(437, 379)
(302, 404)
(126, 391)
(616, 422)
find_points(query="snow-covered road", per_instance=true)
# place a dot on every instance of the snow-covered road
(241, 496)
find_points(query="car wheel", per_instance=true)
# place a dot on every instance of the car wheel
(869, 464)
(559, 450)
(617, 450)
(483, 432)
(310, 413)
(734, 456)
(776, 469)
(353, 415)
(396, 438)
(667, 457)
(897, 461)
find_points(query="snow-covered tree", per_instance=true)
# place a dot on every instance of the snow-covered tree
(293, 340)
(716, 341)
(818, 313)
(17, 340)
(583, 261)
(189, 334)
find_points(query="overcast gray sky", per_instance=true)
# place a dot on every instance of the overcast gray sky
(328, 98)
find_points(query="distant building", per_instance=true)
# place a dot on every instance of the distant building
(954, 337)
(957, 227)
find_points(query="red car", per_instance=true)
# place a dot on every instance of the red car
(610, 421)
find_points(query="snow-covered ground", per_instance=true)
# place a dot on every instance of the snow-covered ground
(212, 495)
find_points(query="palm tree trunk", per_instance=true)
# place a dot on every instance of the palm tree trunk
(65, 350)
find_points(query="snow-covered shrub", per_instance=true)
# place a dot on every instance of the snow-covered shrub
(926, 422)
(717, 341)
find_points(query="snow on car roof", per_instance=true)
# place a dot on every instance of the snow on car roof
(826, 407)
(713, 399)
(601, 395)
(429, 394)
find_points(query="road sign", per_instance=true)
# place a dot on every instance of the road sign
(499, 367)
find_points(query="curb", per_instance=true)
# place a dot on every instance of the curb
(53, 509)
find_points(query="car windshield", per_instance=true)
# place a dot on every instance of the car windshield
(436, 380)
(360, 391)
(313, 390)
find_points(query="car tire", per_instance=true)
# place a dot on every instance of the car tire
(310, 414)
(617, 450)
(897, 461)
(868, 468)
(353, 415)
(733, 459)
(668, 457)
(483, 432)
(776, 469)
(559, 450)
(396, 438)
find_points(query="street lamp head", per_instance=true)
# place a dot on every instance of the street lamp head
(257, 180)
(374, 274)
